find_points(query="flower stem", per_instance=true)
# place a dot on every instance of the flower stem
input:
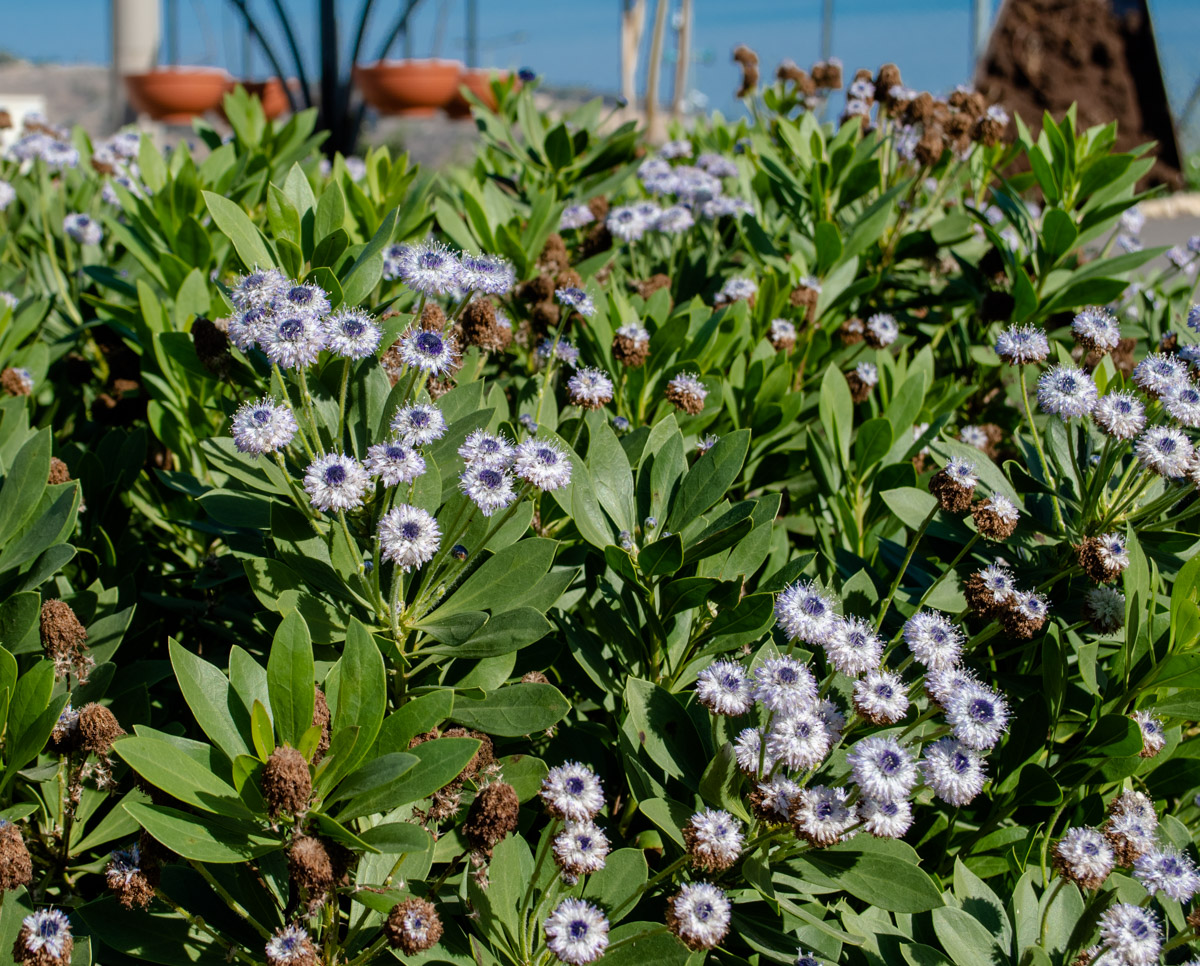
(912, 548)
(1037, 442)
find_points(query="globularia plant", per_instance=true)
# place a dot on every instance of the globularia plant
(775, 546)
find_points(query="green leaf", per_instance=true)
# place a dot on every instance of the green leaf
(331, 211)
(378, 771)
(213, 702)
(237, 226)
(910, 505)
(421, 714)
(882, 872)
(665, 731)
(291, 679)
(179, 775)
(367, 269)
(515, 709)
(663, 557)
(397, 838)
(836, 408)
(625, 872)
(205, 839)
(24, 483)
(360, 697)
(707, 481)
(965, 939)
(1058, 236)
(504, 576)
(439, 762)
(872, 443)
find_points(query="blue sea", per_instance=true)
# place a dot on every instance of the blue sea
(574, 43)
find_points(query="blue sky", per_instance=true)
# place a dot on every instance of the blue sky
(574, 42)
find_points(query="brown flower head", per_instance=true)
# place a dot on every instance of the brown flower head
(320, 719)
(16, 868)
(1103, 558)
(286, 783)
(413, 926)
(930, 147)
(851, 331)
(989, 591)
(652, 284)
(827, 74)
(98, 728)
(954, 486)
(484, 327)
(64, 639)
(788, 72)
(132, 878)
(45, 939)
(433, 319)
(59, 473)
(534, 677)
(16, 382)
(492, 815)
(888, 77)
(687, 392)
(554, 257)
(631, 345)
(996, 517)
(310, 865)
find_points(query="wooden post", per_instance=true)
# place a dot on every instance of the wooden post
(633, 22)
(654, 68)
(684, 51)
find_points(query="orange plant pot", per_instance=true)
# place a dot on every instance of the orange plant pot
(271, 92)
(479, 83)
(417, 88)
(175, 95)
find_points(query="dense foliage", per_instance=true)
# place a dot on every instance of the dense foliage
(764, 547)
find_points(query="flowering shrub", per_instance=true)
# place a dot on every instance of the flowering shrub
(776, 546)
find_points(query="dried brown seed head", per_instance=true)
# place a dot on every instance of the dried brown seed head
(98, 728)
(310, 865)
(413, 926)
(286, 783)
(492, 815)
(16, 868)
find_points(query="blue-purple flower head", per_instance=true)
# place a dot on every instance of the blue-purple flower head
(542, 464)
(394, 259)
(561, 349)
(45, 937)
(431, 269)
(736, 289)
(290, 946)
(293, 341)
(627, 223)
(395, 462)
(259, 289)
(431, 352)
(1096, 329)
(489, 274)
(1120, 415)
(303, 299)
(1158, 373)
(336, 482)
(482, 448)
(352, 334)
(420, 424)
(675, 220)
(577, 299)
(725, 206)
(489, 485)
(83, 228)
(1193, 318)
(408, 536)
(806, 613)
(1022, 345)
(1067, 392)
(717, 165)
(575, 216)
(1165, 451)
(263, 426)
(679, 148)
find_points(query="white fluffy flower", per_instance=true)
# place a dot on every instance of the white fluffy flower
(408, 536)
(263, 426)
(699, 915)
(576, 932)
(482, 448)
(580, 848)
(1120, 415)
(1132, 933)
(336, 482)
(1168, 871)
(805, 613)
(885, 820)
(881, 697)
(954, 772)
(1164, 450)
(724, 689)
(431, 352)
(933, 640)
(419, 425)
(714, 839)
(821, 815)
(543, 464)
(1084, 856)
(352, 334)
(785, 685)
(882, 768)
(854, 648)
(801, 741)
(572, 791)
(1067, 392)
(978, 715)
(395, 462)
(489, 487)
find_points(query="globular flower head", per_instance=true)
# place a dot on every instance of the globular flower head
(989, 590)
(576, 932)
(699, 915)
(419, 425)
(675, 220)
(954, 485)
(821, 816)
(303, 299)
(336, 482)
(1105, 608)
(577, 299)
(259, 289)
(1084, 856)
(489, 487)
(736, 290)
(631, 344)
(749, 752)
(772, 799)
(1067, 392)
(1158, 373)
(590, 389)
(996, 517)
(561, 349)
(431, 352)
(1096, 330)
(413, 926)
(1026, 614)
(882, 768)
(881, 697)
(1131, 933)
(293, 341)
(978, 715)
(933, 640)
(541, 463)
(714, 839)
(291, 946)
(687, 393)
(854, 648)
(724, 689)
(626, 223)
(247, 327)
(800, 740)
(83, 228)
(1169, 871)
(885, 820)
(263, 426)
(785, 685)
(1182, 401)
(1120, 415)
(431, 269)
(881, 330)
(580, 849)
(395, 462)
(974, 436)
(782, 335)
(352, 334)
(408, 537)
(954, 771)
(1022, 345)
(1193, 318)
(1153, 738)
(805, 613)
(482, 448)
(1164, 450)
(489, 274)
(45, 939)
(575, 216)
(573, 792)
(1104, 558)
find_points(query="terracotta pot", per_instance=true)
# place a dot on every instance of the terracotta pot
(479, 83)
(175, 95)
(271, 92)
(416, 88)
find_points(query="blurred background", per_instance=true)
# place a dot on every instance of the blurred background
(62, 49)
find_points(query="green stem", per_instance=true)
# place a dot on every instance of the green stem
(229, 900)
(1037, 442)
(231, 950)
(651, 883)
(309, 412)
(342, 407)
(912, 548)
